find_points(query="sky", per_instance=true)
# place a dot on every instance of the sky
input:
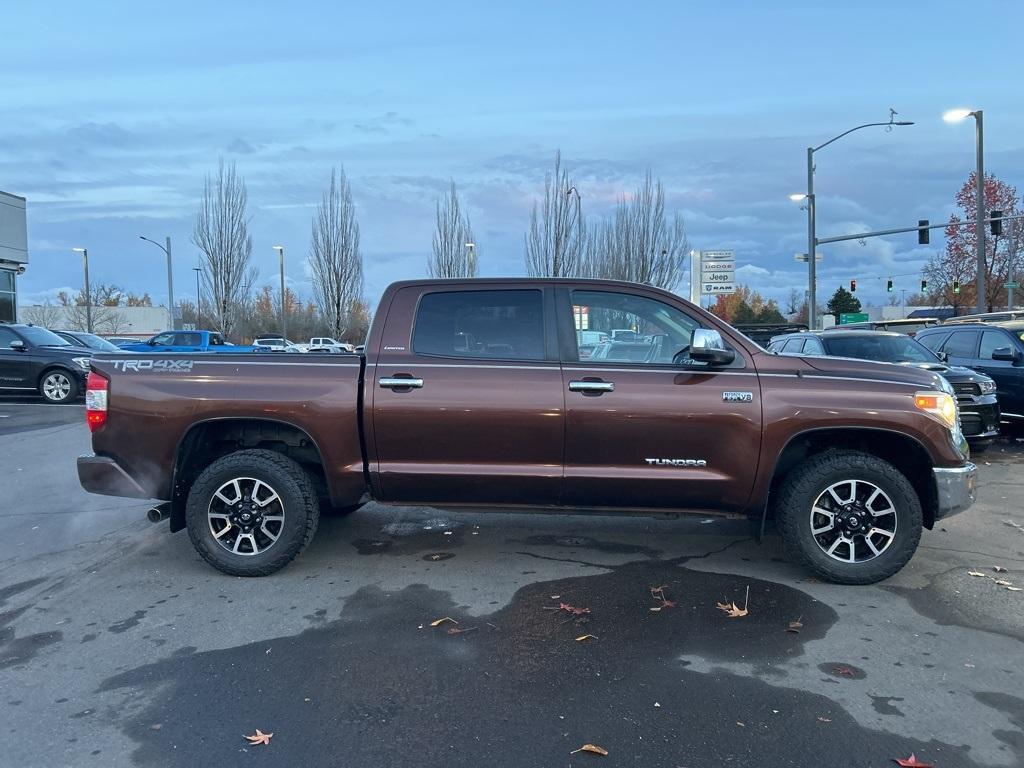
(112, 114)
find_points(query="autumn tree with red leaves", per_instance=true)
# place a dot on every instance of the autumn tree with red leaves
(959, 261)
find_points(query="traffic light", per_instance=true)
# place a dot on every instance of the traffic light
(924, 286)
(853, 286)
(922, 234)
(997, 222)
(888, 285)
(956, 286)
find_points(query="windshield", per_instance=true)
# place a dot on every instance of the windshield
(883, 349)
(41, 337)
(92, 341)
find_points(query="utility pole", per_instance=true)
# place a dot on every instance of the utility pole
(284, 308)
(199, 298)
(88, 290)
(170, 279)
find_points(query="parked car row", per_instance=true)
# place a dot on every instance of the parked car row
(982, 362)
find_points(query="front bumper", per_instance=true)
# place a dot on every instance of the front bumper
(103, 475)
(955, 489)
(980, 420)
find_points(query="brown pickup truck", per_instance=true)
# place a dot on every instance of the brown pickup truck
(483, 393)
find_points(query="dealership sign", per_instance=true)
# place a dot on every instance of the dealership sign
(717, 272)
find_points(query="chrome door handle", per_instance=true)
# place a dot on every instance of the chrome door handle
(591, 386)
(397, 382)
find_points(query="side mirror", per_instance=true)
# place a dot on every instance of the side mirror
(151, 342)
(1004, 353)
(18, 345)
(706, 346)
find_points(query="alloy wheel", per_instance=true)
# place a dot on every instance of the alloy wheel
(853, 521)
(56, 387)
(246, 516)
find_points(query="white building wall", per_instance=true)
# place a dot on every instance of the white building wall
(135, 322)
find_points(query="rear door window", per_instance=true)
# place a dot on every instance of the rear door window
(495, 325)
(962, 344)
(813, 347)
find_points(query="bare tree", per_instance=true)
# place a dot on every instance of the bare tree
(47, 314)
(794, 301)
(221, 232)
(555, 242)
(640, 243)
(452, 257)
(334, 255)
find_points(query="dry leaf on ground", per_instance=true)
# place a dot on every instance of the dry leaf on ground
(572, 609)
(975, 573)
(259, 737)
(732, 610)
(795, 626)
(911, 762)
(998, 569)
(581, 638)
(442, 620)
(459, 630)
(592, 748)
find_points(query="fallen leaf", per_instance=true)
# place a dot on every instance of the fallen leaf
(555, 597)
(1014, 589)
(825, 719)
(259, 737)
(911, 762)
(741, 725)
(795, 626)
(592, 748)
(844, 671)
(998, 569)
(975, 573)
(439, 622)
(572, 609)
(581, 638)
(732, 610)
(459, 630)
(1004, 583)
(655, 609)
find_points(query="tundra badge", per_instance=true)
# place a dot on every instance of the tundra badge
(677, 462)
(737, 397)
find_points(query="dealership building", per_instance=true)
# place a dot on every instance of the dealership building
(13, 252)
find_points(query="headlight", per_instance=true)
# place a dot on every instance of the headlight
(987, 387)
(939, 405)
(81, 362)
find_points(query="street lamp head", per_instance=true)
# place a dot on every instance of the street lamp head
(471, 245)
(798, 197)
(278, 248)
(904, 122)
(78, 250)
(956, 115)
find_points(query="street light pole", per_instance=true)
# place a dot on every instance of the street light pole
(471, 258)
(284, 311)
(979, 215)
(88, 290)
(199, 296)
(955, 116)
(170, 279)
(812, 242)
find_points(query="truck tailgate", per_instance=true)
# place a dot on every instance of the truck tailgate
(155, 400)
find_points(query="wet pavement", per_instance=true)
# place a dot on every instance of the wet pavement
(119, 646)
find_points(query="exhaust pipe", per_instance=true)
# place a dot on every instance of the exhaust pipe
(159, 512)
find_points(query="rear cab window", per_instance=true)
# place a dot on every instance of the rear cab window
(481, 324)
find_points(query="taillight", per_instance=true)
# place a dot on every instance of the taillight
(95, 401)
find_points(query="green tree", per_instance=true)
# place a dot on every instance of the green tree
(842, 301)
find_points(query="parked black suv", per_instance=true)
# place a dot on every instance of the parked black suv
(34, 359)
(995, 349)
(975, 392)
(88, 340)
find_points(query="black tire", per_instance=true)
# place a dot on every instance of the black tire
(979, 447)
(297, 502)
(58, 386)
(810, 480)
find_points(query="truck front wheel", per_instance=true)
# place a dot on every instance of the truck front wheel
(252, 512)
(850, 517)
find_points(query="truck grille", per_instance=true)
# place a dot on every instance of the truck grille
(966, 388)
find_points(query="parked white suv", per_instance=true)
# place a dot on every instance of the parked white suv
(327, 344)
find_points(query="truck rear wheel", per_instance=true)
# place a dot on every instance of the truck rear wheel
(850, 517)
(250, 513)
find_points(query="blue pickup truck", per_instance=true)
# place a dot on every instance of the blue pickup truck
(187, 341)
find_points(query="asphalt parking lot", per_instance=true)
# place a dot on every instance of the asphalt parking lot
(119, 646)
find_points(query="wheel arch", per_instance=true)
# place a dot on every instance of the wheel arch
(210, 439)
(904, 452)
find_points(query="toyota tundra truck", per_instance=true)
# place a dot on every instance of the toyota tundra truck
(473, 393)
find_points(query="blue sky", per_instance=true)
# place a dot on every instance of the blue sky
(113, 112)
